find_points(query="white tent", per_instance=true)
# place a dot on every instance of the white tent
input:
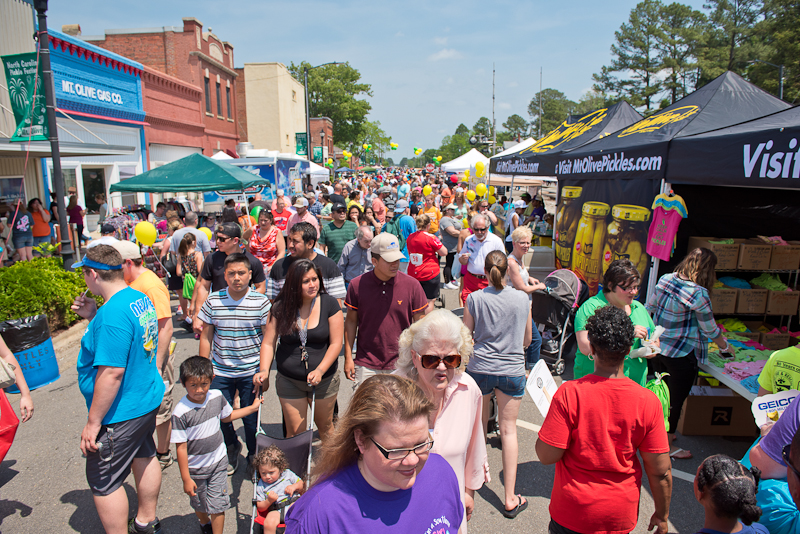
(318, 173)
(522, 181)
(465, 161)
(525, 143)
(221, 155)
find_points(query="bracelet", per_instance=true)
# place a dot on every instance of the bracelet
(727, 346)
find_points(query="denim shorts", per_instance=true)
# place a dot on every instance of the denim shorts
(22, 242)
(513, 386)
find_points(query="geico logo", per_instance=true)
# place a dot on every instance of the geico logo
(777, 164)
(567, 132)
(659, 120)
(775, 404)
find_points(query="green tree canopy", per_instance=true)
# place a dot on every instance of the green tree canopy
(462, 130)
(483, 127)
(730, 39)
(516, 126)
(681, 39)
(556, 107)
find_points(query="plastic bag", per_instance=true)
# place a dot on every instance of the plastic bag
(659, 386)
(8, 425)
(188, 285)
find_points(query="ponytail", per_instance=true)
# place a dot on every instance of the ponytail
(496, 265)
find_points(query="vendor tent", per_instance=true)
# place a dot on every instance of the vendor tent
(465, 161)
(193, 173)
(518, 180)
(344, 169)
(317, 173)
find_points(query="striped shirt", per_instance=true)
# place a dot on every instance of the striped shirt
(197, 425)
(235, 348)
(331, 276)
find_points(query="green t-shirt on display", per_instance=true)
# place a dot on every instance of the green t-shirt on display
(635, 368)
(782, 371)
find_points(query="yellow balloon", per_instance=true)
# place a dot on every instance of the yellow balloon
(492, 190)
(465, 223)
(480, 189)
(426, 190)
(364, 146)
(206, 231)
(470, 195)
(479, 168)
(492, 199)
(465, 178)
(145, 233)
(466, 173)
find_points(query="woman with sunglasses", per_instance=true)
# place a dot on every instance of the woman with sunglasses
(377, 473)
(499, 318)
(433, 353)
(620, 287)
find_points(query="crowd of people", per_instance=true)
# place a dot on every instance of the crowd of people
(355, 267)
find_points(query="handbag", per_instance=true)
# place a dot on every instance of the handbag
(171, 263)
(7, 376)
(188, 285)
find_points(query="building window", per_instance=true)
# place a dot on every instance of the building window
(219, 101)
(294, 96)
(228, 98)
(208, 96)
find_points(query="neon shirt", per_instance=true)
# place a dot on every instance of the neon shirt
(782, 371)
(667, 214)
(152, 286)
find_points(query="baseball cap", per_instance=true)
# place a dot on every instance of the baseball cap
(450, 206)
(523, 195)
(400, 206)
(280, 192)
(128, 250)
(230, 229)
(537, 197)
(107, 229)
(105, 240)
(338, 206)
(520, 204)
(384, 189)
(301, 203)
(386, 246)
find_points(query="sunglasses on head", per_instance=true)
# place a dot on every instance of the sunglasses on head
(431, 361)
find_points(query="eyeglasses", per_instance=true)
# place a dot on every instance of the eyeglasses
(222, 238)
(785, 453)
(341, 211)
(401, 454)
(431, 361)
(480, 229)
(630, 289)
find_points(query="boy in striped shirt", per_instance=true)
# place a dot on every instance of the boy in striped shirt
(234, 321)
(200, 447)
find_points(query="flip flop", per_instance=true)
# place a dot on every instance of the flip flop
(511, 514)
(681, 454)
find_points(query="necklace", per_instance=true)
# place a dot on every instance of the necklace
(303, 332)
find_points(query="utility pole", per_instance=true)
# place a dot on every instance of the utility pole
(540, 104)
(494, 122)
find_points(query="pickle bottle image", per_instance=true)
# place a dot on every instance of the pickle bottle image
(587, 254)
(627, 236)
(569, 213)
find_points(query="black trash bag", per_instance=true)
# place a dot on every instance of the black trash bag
(24, 334)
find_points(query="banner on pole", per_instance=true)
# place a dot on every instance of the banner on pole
(26, 92)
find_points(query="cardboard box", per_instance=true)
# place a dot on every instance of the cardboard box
(727, 255)
(752, 301)
(771, 341)
(710, 411)
(783, 302)
(723, 300)
(785, 257)
(754, 255)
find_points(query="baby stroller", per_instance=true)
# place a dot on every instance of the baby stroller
(297, 450)
(555, 308)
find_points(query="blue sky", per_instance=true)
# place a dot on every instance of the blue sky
(429, 63)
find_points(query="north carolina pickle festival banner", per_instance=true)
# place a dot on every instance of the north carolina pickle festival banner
(26, 92)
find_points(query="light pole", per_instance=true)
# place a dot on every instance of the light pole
(780, 69)
(322, 143)
(308, 118)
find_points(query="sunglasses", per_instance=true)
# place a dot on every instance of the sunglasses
(431, 361)
(222, 238)
(401, 454)
(785, 454)
(480, 229)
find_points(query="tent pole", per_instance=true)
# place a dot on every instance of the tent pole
(655, 262)
(510, 197)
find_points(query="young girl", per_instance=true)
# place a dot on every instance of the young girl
(727, 490)
(189, 261)
(276, 483)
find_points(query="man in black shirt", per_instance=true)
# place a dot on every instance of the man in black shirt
(337, 195)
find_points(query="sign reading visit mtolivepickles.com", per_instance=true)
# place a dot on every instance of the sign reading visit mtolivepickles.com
(26, 91)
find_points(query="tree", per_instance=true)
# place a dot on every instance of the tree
(635, 55)
(781, 33)
(372, 134)
(333, 92)
(516, 126)
(590, 101)
(453, 146)
(403, 162)
(680, 39)
(728, 37)
(483, 127)
(462, 130)
(556, 107)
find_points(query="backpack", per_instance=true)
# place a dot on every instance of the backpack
(393, 227)
(658, 386)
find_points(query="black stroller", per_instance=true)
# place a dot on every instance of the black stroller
(555, 308)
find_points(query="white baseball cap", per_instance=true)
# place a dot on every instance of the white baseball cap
(386, 246)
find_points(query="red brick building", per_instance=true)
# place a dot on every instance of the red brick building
(320, 125)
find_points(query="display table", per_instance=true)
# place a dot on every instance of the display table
(717, 373)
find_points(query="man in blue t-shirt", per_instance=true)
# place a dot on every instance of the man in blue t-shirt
(118, 374)
(407, 226)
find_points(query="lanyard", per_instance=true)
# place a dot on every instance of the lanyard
(303, 333)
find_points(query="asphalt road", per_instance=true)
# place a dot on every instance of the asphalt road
(43, 485)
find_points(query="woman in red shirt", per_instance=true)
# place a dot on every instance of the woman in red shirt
(41, 222)
(424, 250)
(265, 240)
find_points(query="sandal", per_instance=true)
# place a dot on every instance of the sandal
(681, 454)
(511, 514)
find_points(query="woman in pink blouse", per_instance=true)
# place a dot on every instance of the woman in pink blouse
(434, 352)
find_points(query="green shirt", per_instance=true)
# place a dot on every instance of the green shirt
(635, 368)
(336, 238)
(782, 371)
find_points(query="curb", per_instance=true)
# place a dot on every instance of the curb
(73, 333)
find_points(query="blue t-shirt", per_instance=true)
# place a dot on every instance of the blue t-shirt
(124, 333)
(403, 191)
(755, 528)
(408, 227)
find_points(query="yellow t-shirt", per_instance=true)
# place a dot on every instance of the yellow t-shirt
(435, 215)
(782, 371)
(152, 286)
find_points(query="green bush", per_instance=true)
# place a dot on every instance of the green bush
(40, 286)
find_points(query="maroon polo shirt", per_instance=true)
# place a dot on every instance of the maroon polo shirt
(384, 309)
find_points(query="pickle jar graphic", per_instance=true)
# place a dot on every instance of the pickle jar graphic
(626, 236)
(569, 213)
(587, 254)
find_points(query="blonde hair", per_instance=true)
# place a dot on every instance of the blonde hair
(698, 266)
(379, 399)
(422, 221)
(520, 233)
(440, 325)
(496, 265)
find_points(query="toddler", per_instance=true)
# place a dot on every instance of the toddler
(276, 484)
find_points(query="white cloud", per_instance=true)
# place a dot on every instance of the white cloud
(513, 84)
(441, 131)
(399, 34)
(450, 81)
(504, 105)
(445, 53)
(441, 41)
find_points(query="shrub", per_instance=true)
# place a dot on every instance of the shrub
(40, 286)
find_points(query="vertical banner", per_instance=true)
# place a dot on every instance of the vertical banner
(24, 80)
(317, 157)
(301, 142)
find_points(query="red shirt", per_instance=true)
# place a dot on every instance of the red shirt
(601, 423)
(281, 218)
(423, 261)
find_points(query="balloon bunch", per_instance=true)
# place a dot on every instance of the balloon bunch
(346, 154)
(393, 146)
(366, 147)
(329, 163)
(480, 169)
(417, 151)
(437, 160)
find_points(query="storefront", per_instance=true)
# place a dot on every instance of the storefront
(99, 102)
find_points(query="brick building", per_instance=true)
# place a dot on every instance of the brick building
(322, 135)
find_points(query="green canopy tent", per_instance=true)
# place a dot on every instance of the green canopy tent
(194, 173)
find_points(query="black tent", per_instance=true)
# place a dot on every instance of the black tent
(578, 130)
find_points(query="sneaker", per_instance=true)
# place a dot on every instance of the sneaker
(153, 527)
(186, 326)
(233, 457)
(451, 285)
(165, 460)
(206, 529)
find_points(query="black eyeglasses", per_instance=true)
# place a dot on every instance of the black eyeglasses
(222, 238)
(400, 454)
(431, 361)
(480, 229)
(785, 454)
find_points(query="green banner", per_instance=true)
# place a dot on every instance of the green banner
(26, 92)
(317, 157)
(301, 140)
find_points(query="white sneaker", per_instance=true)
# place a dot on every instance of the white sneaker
(451, 285)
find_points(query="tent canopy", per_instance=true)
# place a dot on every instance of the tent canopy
(193, 173)
(465, 161)
(344, 169)
(519, 147)
(317, 170)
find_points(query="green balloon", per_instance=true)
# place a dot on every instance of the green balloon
(255, 211)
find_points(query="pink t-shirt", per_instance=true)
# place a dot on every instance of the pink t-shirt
(662, 233)
(307, 217)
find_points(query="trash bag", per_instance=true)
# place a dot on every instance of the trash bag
(659, 386)
(29, 339)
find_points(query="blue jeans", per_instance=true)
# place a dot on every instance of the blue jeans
(244, 385)
(533, 350)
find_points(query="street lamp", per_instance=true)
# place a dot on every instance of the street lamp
(322, 142)
(780, 69)
(308, 118)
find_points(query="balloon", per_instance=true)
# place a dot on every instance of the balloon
(479, 168)
(470, 195)
(492, 199)
(454, 179)
(426, 190)
(256, 211)
(369, 147)
(492, 190)
(464, 223)
(481, 190)
(466, 173)
(439, 159)
(207, 231)
(364, 146)
(146, 233)
(465, 178)
(330, 160)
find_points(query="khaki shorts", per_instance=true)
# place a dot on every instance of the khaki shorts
(167, 403)
(289, 388)
(362, 373)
